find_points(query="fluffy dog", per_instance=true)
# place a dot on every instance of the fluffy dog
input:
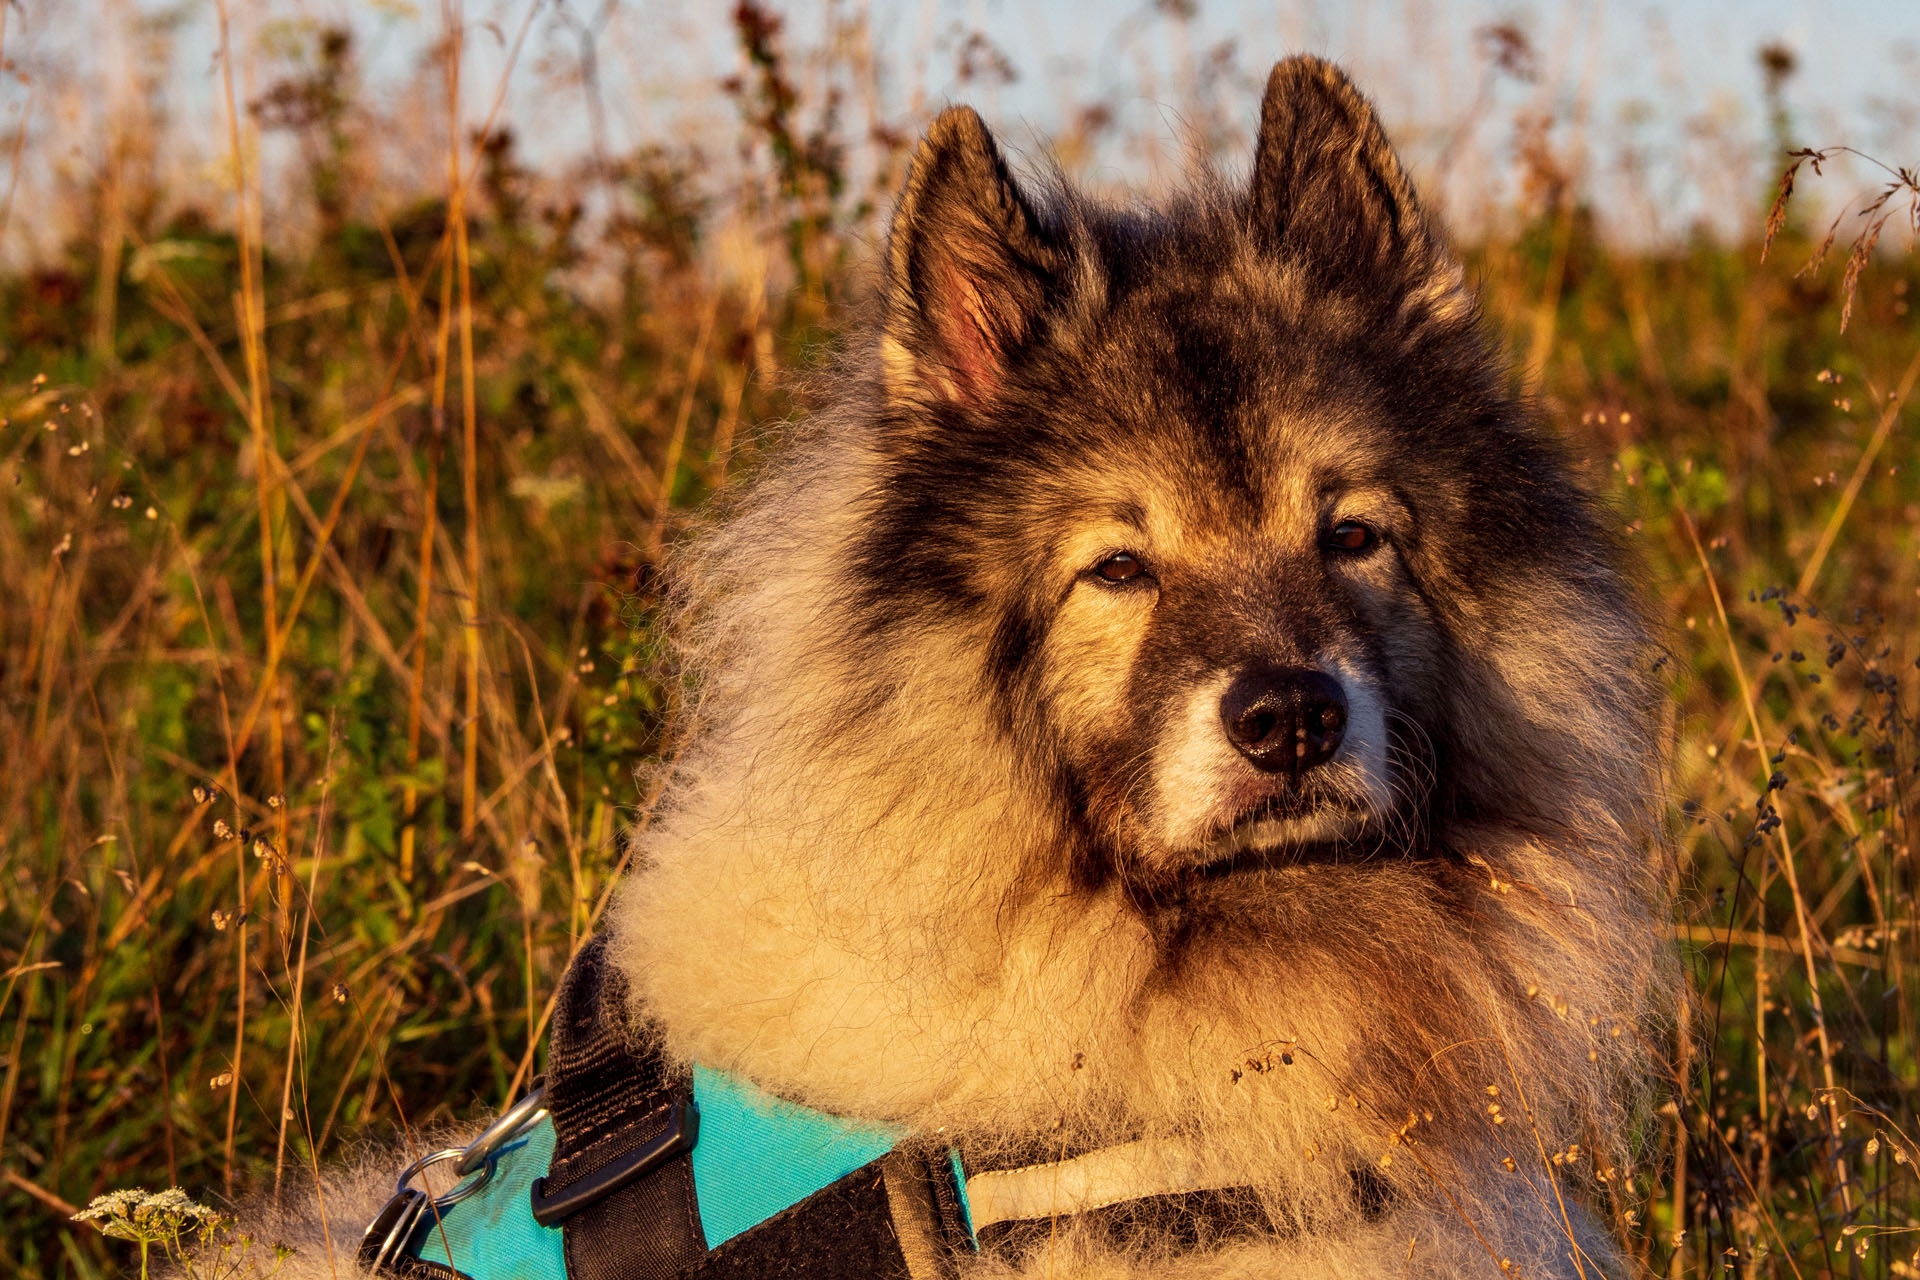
(1177, 691)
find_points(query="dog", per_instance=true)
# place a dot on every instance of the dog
(1176, 692)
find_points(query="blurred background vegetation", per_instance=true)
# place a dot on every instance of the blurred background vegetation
(351, 390)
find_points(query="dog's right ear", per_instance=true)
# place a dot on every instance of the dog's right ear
(969, 268)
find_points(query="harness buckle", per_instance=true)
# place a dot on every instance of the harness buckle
(680, 1130)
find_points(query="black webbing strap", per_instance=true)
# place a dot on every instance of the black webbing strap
(614, 1110)
(1188, 1220)
(843, 1231)
(895, 1218)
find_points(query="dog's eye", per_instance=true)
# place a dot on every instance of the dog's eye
(1122, 567)
(1351, 535)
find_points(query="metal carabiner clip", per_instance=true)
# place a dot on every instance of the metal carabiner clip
(507, 1126)
(387, 1235)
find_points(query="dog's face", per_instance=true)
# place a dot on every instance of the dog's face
(1231, 652)
(1237, 664)
(1226, 478)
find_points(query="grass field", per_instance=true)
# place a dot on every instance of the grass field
(330, 567)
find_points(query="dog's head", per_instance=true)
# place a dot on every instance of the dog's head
(1279, 569)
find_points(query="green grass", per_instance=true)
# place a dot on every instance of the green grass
(436, 630)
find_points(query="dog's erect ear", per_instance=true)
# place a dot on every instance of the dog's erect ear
(1328, 189)
(969, 267)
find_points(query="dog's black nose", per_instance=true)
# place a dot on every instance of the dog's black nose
(1284, 719)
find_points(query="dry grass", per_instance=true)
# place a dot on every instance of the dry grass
(329, 641)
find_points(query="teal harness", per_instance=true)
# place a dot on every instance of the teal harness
(756, 1155)
(620, 1167)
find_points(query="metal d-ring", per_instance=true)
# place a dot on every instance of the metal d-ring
(434, 1158)
(453, 1197)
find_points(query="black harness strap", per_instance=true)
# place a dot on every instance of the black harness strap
(623, 1129)
(1192, 1221)
(1188, 1219)
(887, 1220)
(845, 1230)
(621, 1188)
(929, 1222)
